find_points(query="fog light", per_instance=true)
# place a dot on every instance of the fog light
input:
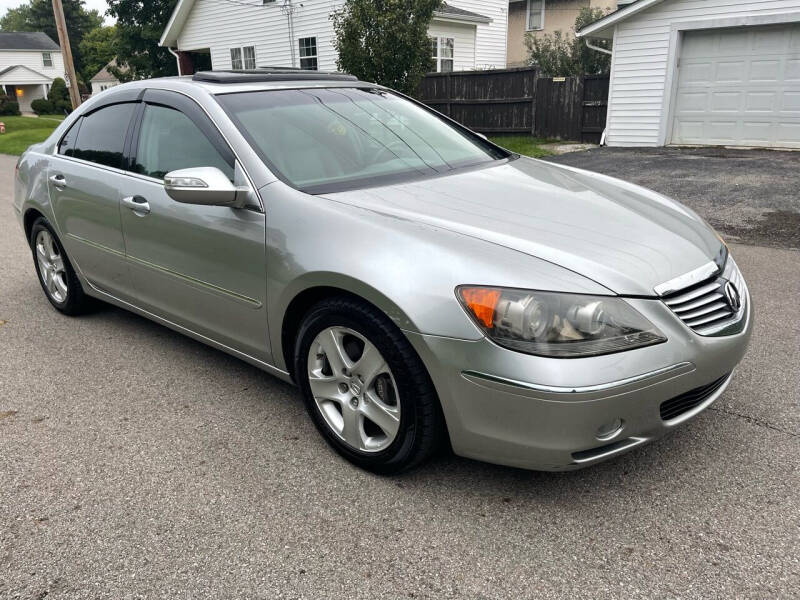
(610, 430)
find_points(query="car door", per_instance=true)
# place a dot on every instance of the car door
(201, 267)
(84, 179)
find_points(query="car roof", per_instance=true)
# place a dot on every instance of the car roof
(228, 82)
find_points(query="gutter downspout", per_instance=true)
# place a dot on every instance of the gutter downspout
(178, 59)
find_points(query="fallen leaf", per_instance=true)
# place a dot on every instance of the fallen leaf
(7, 413)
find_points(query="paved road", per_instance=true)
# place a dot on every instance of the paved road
(138, 463)
(750, 196)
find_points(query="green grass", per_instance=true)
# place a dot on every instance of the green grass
(21, 132)
(522, 144)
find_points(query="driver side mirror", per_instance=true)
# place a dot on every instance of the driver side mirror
(207, 186)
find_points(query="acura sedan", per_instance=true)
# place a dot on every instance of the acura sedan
(421, 285)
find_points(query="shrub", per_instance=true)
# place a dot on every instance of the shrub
(42, 106)
(59, 96)
(8, 106)
(562, 54)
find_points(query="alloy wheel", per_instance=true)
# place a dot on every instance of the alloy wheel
(51, 266)
(354, 389)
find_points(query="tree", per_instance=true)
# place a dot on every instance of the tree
(140, 24)
(37, 15)
(560, 55)
(59, 96)
(385, 41)
(98, 48)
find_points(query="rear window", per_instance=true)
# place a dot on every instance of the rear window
(331, 139)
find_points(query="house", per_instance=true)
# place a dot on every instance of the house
(104, 79)
(465, 34)
(713, 73)
(545, 17)
(28, 64)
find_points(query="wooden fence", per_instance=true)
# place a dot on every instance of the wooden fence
(507, 101)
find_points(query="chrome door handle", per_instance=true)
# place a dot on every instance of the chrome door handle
(59, 181)
(137, 204)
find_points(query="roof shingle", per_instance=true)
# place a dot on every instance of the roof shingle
(26, 40)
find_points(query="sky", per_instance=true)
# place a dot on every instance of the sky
(90, 4)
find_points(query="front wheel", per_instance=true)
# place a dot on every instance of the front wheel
(365, 388)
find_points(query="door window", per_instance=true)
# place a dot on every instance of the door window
(169, 140)
(101, 136)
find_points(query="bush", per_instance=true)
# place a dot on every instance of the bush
(8, 106)
(562, 54)
(59, 96)
(42, 106)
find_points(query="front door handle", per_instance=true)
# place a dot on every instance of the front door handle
(137, 204)
(59, 181)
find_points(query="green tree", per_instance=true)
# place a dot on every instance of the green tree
(561, 55)
(385, 41)
(37, 15)
(98, 48)
(140, 24)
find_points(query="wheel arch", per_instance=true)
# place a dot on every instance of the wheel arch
(316, 287)
(29, 218)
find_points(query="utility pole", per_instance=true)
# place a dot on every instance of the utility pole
(66, 50)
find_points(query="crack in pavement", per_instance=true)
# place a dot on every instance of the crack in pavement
(754, 421)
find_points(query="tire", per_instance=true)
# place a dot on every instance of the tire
(62, 287)
(399, 392)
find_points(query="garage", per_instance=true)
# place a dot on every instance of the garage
(739, 87)
(715, 72)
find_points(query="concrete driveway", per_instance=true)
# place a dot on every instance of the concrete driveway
(136, 463)
(749, 196)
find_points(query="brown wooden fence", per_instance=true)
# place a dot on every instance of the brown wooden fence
(519, 101)
(495, 101)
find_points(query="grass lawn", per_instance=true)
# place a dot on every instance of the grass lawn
(21, 132)
(522, 144)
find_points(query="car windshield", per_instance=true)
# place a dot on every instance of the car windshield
(333, 139)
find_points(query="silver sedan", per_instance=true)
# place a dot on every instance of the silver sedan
(421, 285)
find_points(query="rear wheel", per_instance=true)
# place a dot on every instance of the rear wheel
(365, 388)
(56, 275)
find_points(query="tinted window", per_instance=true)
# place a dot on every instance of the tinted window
(326, 139)
(169, 140)
(102, 135)
(67, 144)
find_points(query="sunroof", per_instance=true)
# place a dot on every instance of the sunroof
(270, 74)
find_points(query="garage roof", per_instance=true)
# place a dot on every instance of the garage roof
(604, 28)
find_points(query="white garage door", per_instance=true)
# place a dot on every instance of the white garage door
(739, 87)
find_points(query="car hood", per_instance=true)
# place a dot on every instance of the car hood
(624, 237)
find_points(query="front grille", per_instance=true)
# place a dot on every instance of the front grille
(705, 307)
(685, 402)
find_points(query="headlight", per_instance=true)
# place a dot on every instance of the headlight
(557, 325)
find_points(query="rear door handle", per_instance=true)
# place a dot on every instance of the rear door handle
(137, 204)
(59, 181)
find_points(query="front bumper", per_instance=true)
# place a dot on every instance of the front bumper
(541, 413)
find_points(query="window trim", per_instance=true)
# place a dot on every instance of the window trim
(528, 16)
(242, 58)
(438, 56)
(47, 57)
(315, 56)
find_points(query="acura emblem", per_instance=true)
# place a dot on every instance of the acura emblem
(733, 297)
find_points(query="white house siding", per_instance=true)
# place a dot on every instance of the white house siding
(490, 43)
(33, 60)
(219, 26)
(639, 98)
(463, 42)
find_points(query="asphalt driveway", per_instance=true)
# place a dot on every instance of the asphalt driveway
(750, 196)
(136, 463)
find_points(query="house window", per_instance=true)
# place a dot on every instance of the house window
(308, 53)
(47, 59)
(535, 14)
(243, 58)
(443, 50)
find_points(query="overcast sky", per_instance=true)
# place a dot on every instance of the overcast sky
(90, 4)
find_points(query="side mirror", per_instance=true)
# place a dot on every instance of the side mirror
(207, 186)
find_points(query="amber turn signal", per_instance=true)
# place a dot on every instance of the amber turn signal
(481, 302)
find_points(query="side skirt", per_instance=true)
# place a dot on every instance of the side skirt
(106, 297)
